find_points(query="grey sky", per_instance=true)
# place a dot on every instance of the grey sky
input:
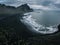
(52, 3)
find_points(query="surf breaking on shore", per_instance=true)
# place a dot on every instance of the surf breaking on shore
(33, 25)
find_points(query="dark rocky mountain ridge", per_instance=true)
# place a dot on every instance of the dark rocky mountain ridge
(13, 10)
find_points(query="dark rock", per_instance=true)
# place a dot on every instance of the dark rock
(25, 7)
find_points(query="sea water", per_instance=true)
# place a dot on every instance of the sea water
(42, 20)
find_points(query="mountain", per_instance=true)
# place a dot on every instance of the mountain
(14, 10)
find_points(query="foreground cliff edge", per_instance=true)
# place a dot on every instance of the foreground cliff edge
(11, 27)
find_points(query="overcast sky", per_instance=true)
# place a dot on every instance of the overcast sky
(50, 3)
(31, 1)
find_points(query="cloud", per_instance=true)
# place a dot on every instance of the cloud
(8, 1)
(51, 8)
(43, 3)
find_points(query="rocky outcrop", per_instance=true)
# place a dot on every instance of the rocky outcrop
(59, 27)
(25, 8)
